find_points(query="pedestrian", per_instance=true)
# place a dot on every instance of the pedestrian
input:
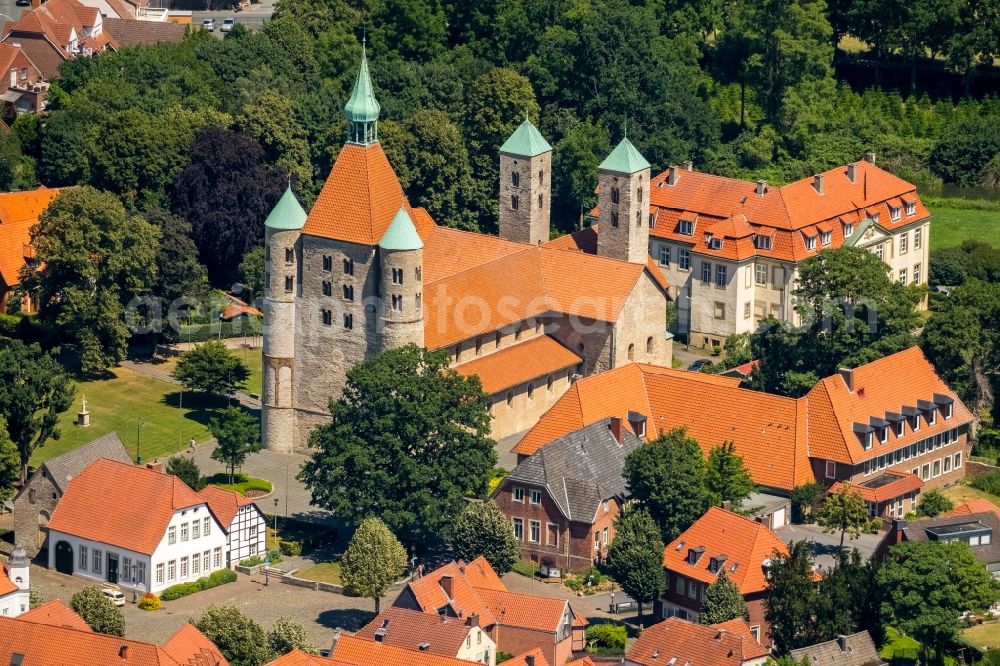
(191, 445)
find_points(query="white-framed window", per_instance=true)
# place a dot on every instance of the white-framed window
(958, 460)
(534, 531)
(83, 558)
(684, 259)
(678, 584)
(755, 632)
(536, 496)
(916, 237)
(551, 534)
(196, 529)
(206, 526)
(519, 494)
(931, 417)
(519, 528)
(184, 567)
(159, 573)
(827, 238)
(761, 274)
(172, 534)
(715, 243)
(900, 428)
(925, 472)
(664, 255)
(606, 506)
(916, 273)
(140, 574)
(184, 532)
(196, 564)
(875, 218)
(848, 230)
(692, 589)
(172, 570)
(206, 558)
(706, 271)
(895, 213)
(937, 468)
(604, 536)
(810, 243)
(831, 469)
(98, 560)
(911, 209)
(946, 411)
(879, 252)
(903, 238)
(685, 227)
(720, 275)
(902, 276)
(762, 242)
(217, 558)
(746, 310)
(597, 540)
(947, 464)
(883, 435)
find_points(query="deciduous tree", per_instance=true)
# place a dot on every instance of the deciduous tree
(482, 529)
(238, 435)
(211, 368)
(635, 556)
(287, 635)
(723, 602)
(933, 503)
(178, 271)
(667, 477)
(10, 463)
(187, 470)
(844, 511)
(791, 599)
(408, 441)
(241, 640)
(34, 391)
(98, 611)
(374, 559)
(727, 479)
(252, 270)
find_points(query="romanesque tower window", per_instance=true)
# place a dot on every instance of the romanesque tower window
(419, 274)
(289, 255)
(327, 262)
(397, 276)
(631, 352)
(348, 292)
(327, 317)
(638, 193)
(614, 219)
(267, 252)
(638, 218)
(327, 288)
(397, 302)
(289, 283)
(515, 179)
(417, 302)
(348, 266)
(513, 202)
(348, 320)
(541, 177)
(539, 200)
(649, 345)
(615, 195)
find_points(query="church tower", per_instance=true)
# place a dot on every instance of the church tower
(401, 260)
(282, 261)
(623, 178)
(525, 186)
(362, 109)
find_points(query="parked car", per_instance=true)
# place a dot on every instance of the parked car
(699, 364)
(116, 596)
(227, 24)
(22, 3)
(208, 24)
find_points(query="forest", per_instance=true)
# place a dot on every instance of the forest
(201, 138)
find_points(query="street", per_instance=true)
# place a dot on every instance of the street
(253, 16)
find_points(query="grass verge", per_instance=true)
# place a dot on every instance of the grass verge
(986, 635)
(952, 224)
(327, 572)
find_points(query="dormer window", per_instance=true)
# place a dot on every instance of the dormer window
(883, 435)
(895, 213)
(827, 237)
(931, 417)
(686, 227)
(868, 440)
(848, 230)
(762, 242)
(900, 429)
(911, 209)
(810, 243)
(875, 218)
(694, 554)
(717, 563)
(714, 243)
(946, 411)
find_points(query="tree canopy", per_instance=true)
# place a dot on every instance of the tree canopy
(242, 641)
(211, 368)
(482, 529)
(374, 559)
(98, 611)
(844, 511)
(722, 602)
(635, 556)
(238, 435)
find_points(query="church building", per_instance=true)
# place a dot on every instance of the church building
(364, 271)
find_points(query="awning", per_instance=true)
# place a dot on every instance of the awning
(11, 96)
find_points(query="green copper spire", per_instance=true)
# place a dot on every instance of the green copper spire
(362, 108)
(526, 141)
(624, 159)
(401, 234)
(287, 214)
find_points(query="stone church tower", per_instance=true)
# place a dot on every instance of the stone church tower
(401, 260)
(282, 259)
(525, 186)
(623, 178)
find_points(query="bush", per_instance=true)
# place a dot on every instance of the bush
(290, 548)
(989, 483)
(252, 561)
(220, 577)
(578, 582)
(180, 590)
(274, 556)
(716, 350)
(607, 636)
(149, 602)
(230, 329)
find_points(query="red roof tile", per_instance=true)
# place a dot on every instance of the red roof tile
(902, 484)
(190, 647)
(57, 614)
(481, 575)
(6, 584)
(746, 544)
(136, 504)
(522, 659)
(19, 212)
(526, 611)
(695, 644)
(359, 652)
(224, 504)
(522, 362)
(410, 629)
(977, 505)
(431, 597)
(300, 658)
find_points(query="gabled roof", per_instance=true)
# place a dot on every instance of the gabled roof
(46, 55)
(526, 611)
(481, 575)
(121, 505)
(431, 597)
(585, 240)
(66, 467)
(580, 470)
(224, 504)
(190, 647)
(519, 363)
(19, 212)
(887, 486)
(299, 658)
(287, 213)
(359, 199)
(129, 32)
(694, 644)
(854, 650)
(879, 387)
(745, 543)
(57, 614)
(359, 652)
(769, 433)
(401, 234)
(526, 141)
(977, 505)
(536, 655)
(624, 159)
(410, 629)
(7, 586)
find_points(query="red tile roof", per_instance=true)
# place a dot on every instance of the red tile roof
(6, 584)
(224, 504)
(359, 652)
(739, 627)
(902, 484)
(410, 629)
(526, 611)
(746, 544)
(522, 659)
(977, 505)
(481, 575)
(57, 614)
(300, 658)
(882, 386)
(522, 362)
(19, 212)
(695, 644)
(190, 647)
(770, 433)
(465, 601)
(128, 31)
(136, 505)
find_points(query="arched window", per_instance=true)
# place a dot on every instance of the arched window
(649, 345)
(631, 352)
(515, 178)
(510, 399)
(615, 195)
(539, 200)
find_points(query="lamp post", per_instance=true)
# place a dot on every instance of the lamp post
(139, 423)
(275, 518)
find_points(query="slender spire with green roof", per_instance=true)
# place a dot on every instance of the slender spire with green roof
(362, 109)
(526, 141)
(624, 159)
(287, 214)
(401, 234)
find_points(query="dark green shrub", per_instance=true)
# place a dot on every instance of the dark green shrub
(989, 483)
(290, 548)
(223, 576)
(220, 577)
(274, 556)
(607, 636)
(180, 590)
(251, 561)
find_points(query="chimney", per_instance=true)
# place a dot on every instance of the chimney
(848, 376)
(446, 585)
(156, 466)
(615, 426)
(472, 620)
(123, 652)
(898, 526)
(689, 165)
(575, 377)
(672, 175)
(761, 187)
(529, 660)
(336, 639)
(870, 158)
(727, 505)
(852, 172)
(380, 635)
(842, 642)
(818, 183)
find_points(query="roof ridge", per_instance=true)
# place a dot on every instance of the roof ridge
(474, 267)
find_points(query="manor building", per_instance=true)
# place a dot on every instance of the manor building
(730, 249)
(364, 271)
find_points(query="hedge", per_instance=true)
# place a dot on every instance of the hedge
(230, 329)
(216, 578)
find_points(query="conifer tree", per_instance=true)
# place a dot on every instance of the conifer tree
(723, 602)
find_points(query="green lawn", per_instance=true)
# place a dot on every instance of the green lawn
(241, 483)
(984, 635)
(899, 649)
(120, 403)
(328, 572)
(951, 226)
(961, 494)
